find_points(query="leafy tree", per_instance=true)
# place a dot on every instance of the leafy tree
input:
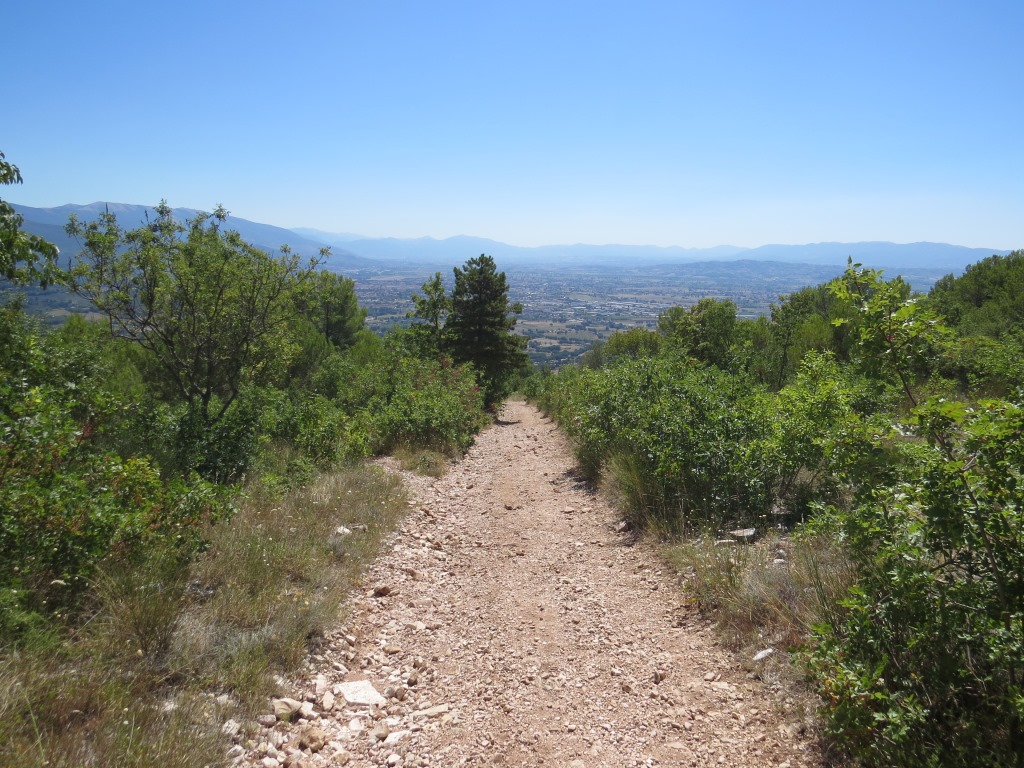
(209, 307)
(987, 300)
(896, 333)
(923, 665)
(704, 331)
(24, 258)
(66, 502)
(330, 303)
(480, 326)
(634, 343)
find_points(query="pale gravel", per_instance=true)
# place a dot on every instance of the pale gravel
(540, 628)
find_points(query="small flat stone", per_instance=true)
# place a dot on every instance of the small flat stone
(286, 709)
(320, 685)
(361, 693)
(395, 736)
(231, 728)
(431, 712)
(744, 534)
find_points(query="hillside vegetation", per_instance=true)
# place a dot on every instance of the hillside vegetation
(886, 429)
(182, 505)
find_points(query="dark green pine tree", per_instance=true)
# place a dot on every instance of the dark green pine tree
(480, 324)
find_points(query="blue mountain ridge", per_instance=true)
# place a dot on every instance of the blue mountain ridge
(354, 253)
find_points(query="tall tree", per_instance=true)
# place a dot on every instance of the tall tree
(433, 308)
(480, 326)
(211, 308)
(24, 258)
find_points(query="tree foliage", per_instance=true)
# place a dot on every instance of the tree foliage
(987, 300)
(329, 302)
(209, 307)
(66, 501)
(24, 258)
(926, 664)
(478, 325)
(704, 331)
(432, 308)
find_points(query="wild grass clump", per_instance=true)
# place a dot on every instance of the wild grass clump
(272, 582)
(73, 708)
(771, 593)
(422, 461)
(135, 683)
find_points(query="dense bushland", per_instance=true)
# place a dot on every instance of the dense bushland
(888, 428)
(181, 506)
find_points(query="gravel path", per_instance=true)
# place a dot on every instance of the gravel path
(511, 625)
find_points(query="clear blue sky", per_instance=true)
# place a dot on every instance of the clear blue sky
(682, 123)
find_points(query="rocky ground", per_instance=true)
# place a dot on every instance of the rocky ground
(513, 623)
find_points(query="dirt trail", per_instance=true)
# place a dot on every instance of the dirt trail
(533, 633)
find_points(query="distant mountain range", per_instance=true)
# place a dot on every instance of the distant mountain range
(353, 253)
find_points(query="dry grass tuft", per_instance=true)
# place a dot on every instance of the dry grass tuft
(422, 461)
(766, 594)
(135, 685)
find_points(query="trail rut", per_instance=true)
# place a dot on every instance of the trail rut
(510, 624)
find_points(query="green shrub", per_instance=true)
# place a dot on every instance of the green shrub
(924, 664)
(66, 504)
(418, 403)
(673, 437)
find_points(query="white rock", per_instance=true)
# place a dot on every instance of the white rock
(361, 693)
(762, 655)
(395, 736)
